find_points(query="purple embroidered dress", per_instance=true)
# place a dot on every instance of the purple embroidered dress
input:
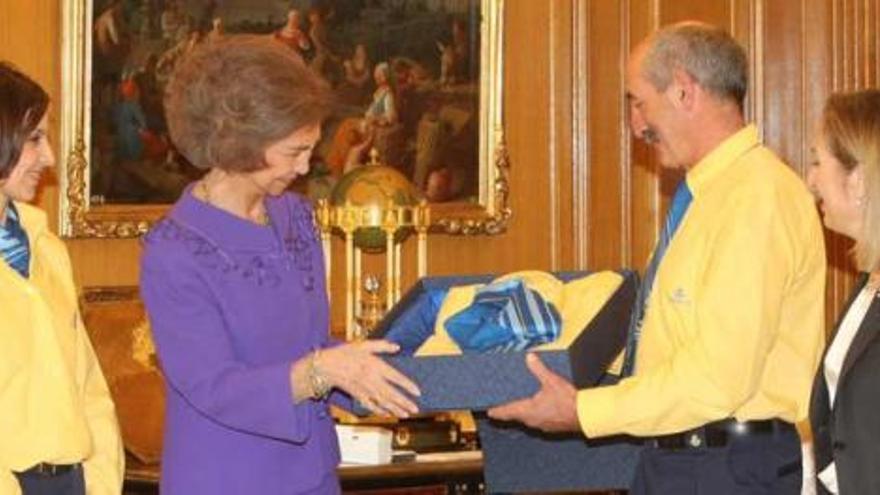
(231, 305)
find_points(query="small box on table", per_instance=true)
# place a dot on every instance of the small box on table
(364, 444)
(515, 457)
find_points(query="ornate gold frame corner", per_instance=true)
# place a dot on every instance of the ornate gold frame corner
(491, 220)
(77, 218)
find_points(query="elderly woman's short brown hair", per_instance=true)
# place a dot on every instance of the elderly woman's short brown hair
(230, 99)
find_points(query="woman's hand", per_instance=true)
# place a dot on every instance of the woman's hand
(357, 369)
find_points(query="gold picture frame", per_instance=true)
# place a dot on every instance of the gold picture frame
(84, 214)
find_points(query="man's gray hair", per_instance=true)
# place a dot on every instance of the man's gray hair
(707, 53)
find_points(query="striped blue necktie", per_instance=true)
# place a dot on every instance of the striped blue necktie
(504, 316)
(14, 246)
(680, 203)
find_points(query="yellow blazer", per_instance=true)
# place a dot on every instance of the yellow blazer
(55, 403)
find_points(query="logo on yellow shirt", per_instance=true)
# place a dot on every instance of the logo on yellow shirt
(679, 296)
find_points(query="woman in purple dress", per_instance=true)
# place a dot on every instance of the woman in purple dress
(233, 282)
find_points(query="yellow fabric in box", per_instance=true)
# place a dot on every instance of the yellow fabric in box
(577, 301)
(581, 301)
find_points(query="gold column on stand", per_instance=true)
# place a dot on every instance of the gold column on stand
(374, 207)
(389, 226)
(323, 218)
(347, 222)
(422, 222)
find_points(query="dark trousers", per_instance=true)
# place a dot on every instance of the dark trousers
(767, 464)
(69, 483)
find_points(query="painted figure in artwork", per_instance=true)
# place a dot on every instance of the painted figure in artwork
(292, 34)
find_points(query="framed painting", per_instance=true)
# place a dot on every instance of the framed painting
(418, 81)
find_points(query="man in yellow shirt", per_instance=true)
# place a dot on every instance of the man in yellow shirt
(731, 322)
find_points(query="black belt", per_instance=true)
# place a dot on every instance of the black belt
(720, 434)
(47, 470)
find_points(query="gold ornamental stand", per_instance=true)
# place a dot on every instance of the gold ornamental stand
(392, 220)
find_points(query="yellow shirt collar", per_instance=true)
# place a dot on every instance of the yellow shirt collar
(724, 155)
(33, 220)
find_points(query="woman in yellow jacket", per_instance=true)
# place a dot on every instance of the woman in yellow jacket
(58, 429)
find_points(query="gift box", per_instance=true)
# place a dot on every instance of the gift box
(516, 458)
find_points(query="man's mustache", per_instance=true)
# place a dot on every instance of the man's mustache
(649, 136)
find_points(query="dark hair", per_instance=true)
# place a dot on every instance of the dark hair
(707, 53)
(23, 103)
(229, 99)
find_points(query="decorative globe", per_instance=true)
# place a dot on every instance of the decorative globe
(375, 185)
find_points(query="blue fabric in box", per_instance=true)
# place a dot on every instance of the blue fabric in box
(516, 458)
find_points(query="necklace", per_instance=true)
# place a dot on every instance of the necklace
(262, 218)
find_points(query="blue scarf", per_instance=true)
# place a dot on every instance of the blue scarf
(505, 316)
(14, 243)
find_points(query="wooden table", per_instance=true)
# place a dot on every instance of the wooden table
(442, 473)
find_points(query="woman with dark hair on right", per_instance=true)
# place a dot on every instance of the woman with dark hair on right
(846, 393)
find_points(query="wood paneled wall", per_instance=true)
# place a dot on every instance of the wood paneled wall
(800, 51)
(584, 194)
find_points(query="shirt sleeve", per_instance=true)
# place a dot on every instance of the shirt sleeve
(749, 275)
(199, 362)
(9, 483)
(104, 468)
